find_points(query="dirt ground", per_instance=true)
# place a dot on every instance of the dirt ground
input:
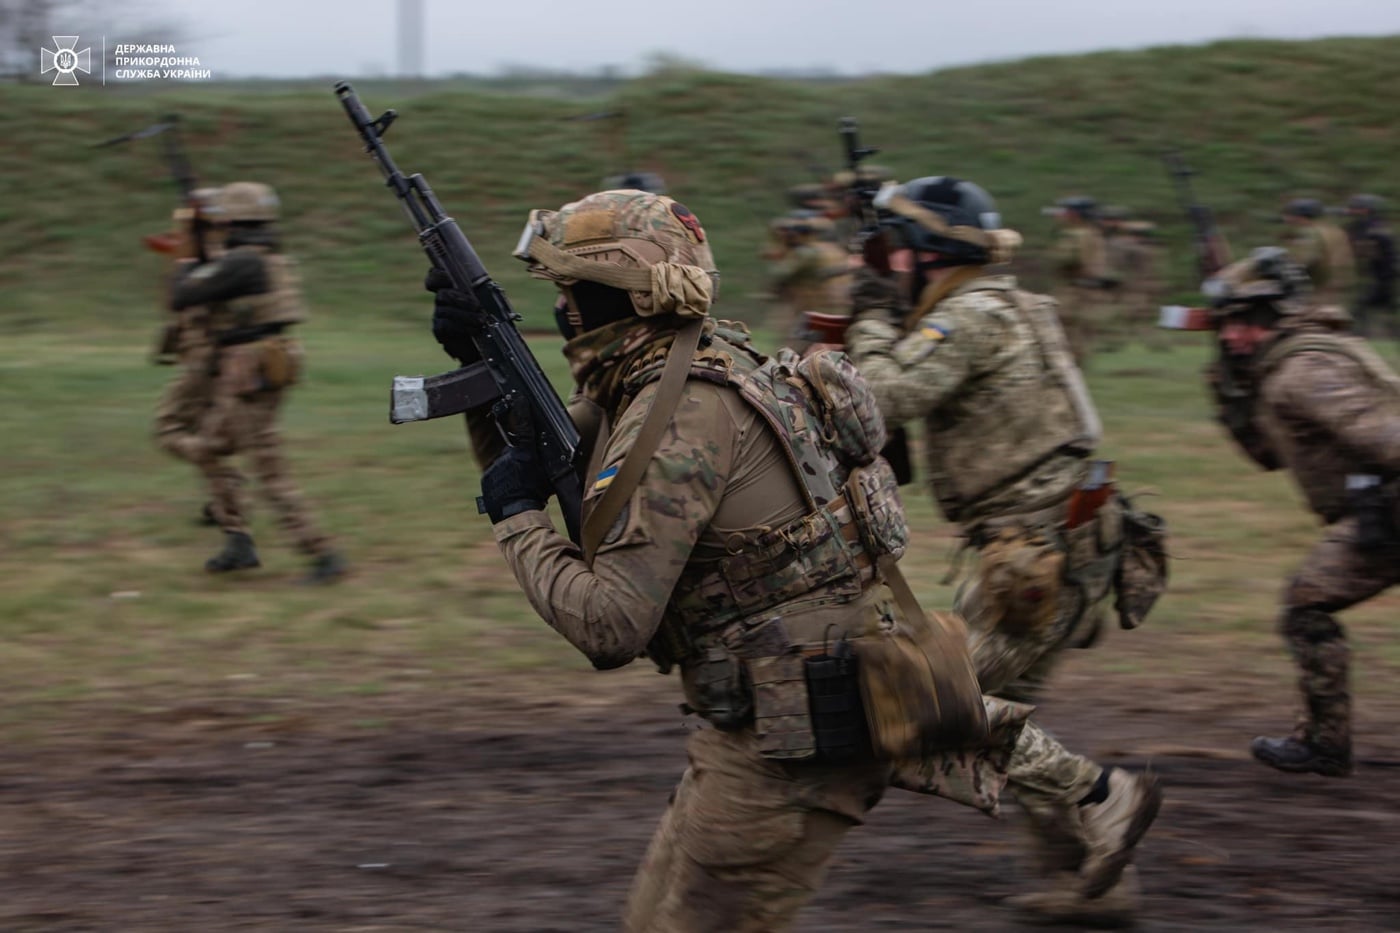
(489, 811)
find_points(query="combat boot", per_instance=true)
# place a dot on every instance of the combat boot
(1064, 903)
(326, 568)
(238, 554)
(1114, 825)
(1300, 756)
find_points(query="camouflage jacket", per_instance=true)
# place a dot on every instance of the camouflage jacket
(1081, 257)
(813, 277)
(1002, 433)
(719, 476)
(1329, 406)
(1325, 252)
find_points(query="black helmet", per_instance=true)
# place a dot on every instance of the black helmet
(1370, 205)
(1081, 204)
(956, 203)
(640, 181)
(1310, 208)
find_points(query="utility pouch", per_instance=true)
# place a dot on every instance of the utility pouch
(1142, 571)
(851, 416)
(1020, 573)
(1370, 500)
(838, 717)
(917, 683)
(773, 665)
(240, 369)
(281, 362)
(873, 494)
(782, 717)
(720, 689)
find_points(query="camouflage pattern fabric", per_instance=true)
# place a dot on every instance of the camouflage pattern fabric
(969, 361)
(1083, 276)
(1323, 249)
(1330, 407)
(188, 395)
(809, 276)
(748, 834)
(974, 371)
(238, 422)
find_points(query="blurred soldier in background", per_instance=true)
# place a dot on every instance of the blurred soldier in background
(1298, 392)
(1133, 257)
(721, 535)
(808, 272)
(638, 181)
(248, 298)
(1373, 245)
(1010, 431)
(1321, 248)
(184, 340)
(1084, 279)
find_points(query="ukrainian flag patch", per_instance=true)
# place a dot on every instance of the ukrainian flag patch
(604, 478)
(932, 332)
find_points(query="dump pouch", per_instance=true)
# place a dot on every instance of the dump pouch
(918, 684)
(1142, 571)
(281, 362)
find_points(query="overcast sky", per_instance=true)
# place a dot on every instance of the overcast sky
(354, 37)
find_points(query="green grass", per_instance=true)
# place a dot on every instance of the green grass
(104, 600)
(1261, 120)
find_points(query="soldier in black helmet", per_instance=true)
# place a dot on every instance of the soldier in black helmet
(944, 336)
(1085, 279)
(1373, 245)
(1321, 248)
(637, 181)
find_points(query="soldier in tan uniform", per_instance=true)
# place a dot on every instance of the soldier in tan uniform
(1084, 279)
(738, 524)
(1298, 392)
(1134, 256)
(1322, 249)
(1009, 433)
(250, 298)
(184, 343)
(808, 272)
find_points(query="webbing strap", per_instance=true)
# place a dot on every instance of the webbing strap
(658, 419)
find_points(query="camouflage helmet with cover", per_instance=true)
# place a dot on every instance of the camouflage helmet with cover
(1269, 278)
(650, 246)
(243, 202)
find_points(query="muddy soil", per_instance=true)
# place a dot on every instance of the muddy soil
(486, 810)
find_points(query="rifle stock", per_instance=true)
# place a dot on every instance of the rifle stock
(523, 403)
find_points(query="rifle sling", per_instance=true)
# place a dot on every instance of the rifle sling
(658, 418)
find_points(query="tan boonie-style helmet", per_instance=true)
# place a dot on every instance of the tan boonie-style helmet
(648, 245)
(243, 202)
(1268, 276)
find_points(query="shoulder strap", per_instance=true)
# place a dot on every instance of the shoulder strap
(658, 418)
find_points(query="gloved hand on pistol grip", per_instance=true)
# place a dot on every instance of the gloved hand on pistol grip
(514, 483)
(457, 317)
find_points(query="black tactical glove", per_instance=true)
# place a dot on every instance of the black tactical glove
(457, 317)
(515, 483)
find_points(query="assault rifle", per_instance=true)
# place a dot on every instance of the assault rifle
(524, 405)
(186, 241)
(1212, 252)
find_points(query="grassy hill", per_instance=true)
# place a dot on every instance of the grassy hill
(1261, 120)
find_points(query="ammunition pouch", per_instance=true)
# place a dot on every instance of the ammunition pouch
(858, 682)
(247, 368)
(1142, 571)
(872, 493)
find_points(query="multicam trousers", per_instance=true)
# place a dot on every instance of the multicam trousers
(235, 422)
(1336, 574)
(746, 840)
(1014, 656)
